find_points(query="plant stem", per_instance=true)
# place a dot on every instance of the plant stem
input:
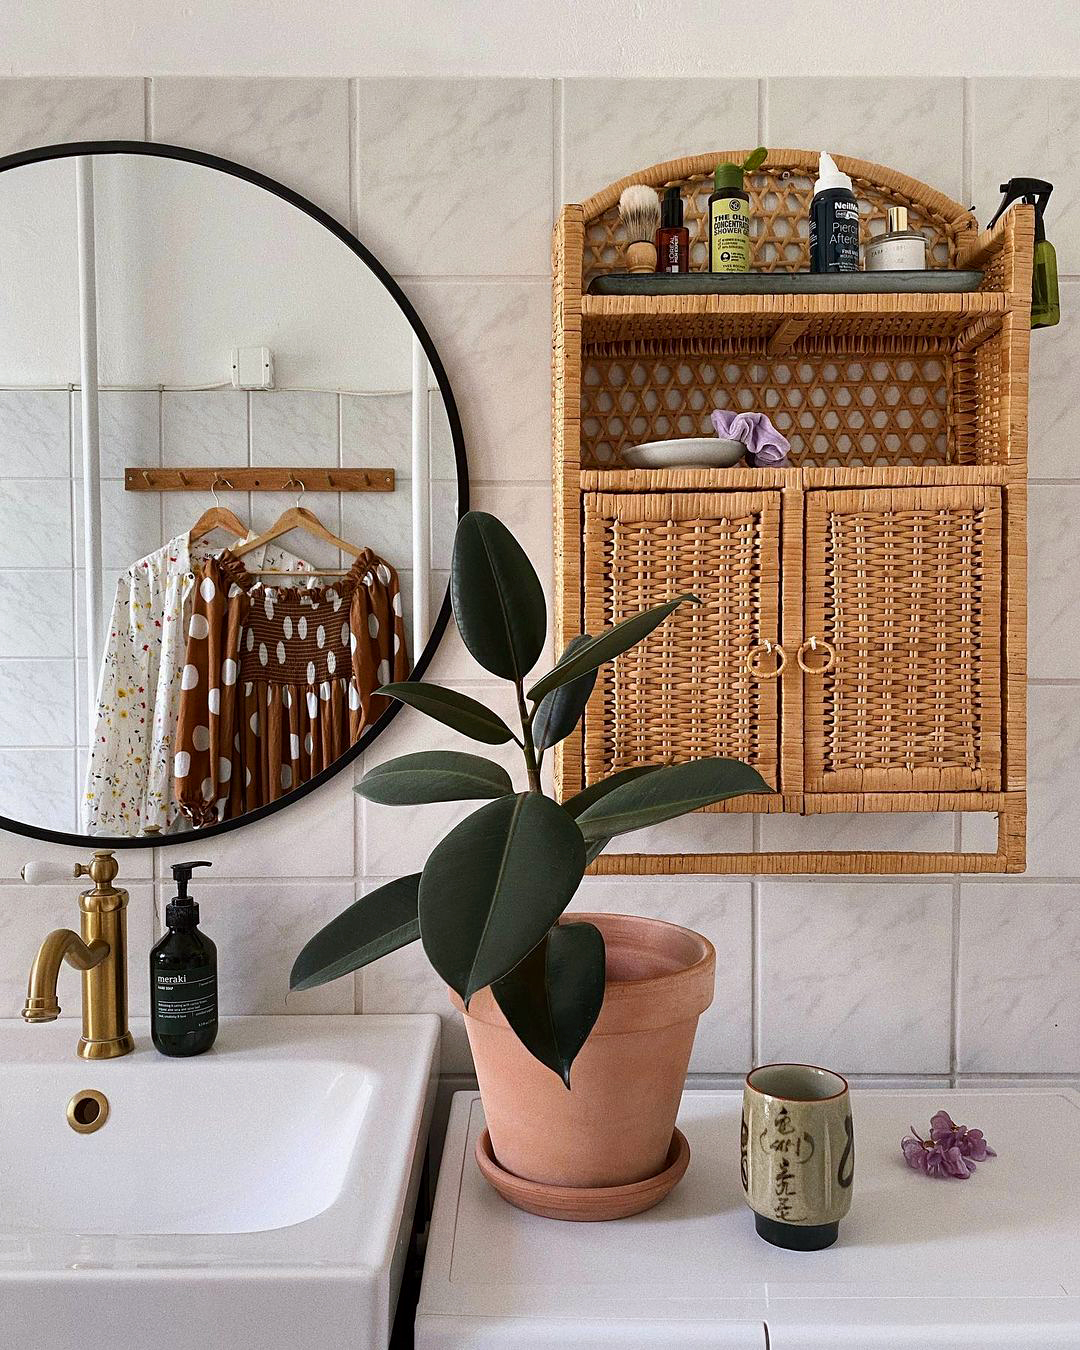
(532, 769)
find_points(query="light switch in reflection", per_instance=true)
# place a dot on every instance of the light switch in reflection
(252, 368)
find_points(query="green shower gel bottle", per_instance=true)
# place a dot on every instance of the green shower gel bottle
(1045, 305)
(183, 977)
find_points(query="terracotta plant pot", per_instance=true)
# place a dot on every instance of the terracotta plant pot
(615, 1126)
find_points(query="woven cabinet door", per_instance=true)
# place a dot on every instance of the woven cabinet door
(687, 691)
(903, 602)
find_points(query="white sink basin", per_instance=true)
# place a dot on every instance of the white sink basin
(260, 1195)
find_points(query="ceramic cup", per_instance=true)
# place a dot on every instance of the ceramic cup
(797, 1154)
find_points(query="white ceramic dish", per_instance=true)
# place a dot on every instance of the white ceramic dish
(690, 452)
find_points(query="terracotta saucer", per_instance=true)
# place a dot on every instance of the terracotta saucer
(584, 1204)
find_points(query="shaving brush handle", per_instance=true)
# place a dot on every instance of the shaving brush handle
(641, 256)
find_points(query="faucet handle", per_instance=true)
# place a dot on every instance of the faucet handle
(41, 873)
(102, 869)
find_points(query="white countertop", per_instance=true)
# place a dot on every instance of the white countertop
(921, 1263)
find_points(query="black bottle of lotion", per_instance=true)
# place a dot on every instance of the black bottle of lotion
(834, 221)
(183, 977)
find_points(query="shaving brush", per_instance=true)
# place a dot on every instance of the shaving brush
(639, 210)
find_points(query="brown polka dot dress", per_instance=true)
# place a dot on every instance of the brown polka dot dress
(279, 681)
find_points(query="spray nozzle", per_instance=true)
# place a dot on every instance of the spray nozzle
(830, 175)
(182, 875)
(1032, 191)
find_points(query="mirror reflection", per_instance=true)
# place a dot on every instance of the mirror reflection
(229, 496)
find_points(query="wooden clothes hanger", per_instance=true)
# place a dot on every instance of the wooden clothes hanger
(298, 518)
(218, 517)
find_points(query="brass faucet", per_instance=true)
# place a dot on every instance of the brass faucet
(101, 954)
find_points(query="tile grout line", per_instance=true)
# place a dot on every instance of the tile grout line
(954, 973)
(558, 132)
(697, 878)
(967, 144)
(763, 110)
(352, 142)
(76, 683)
(148, 108)
(161, 462)
(359, 889)
(756, 981)
(473, 278)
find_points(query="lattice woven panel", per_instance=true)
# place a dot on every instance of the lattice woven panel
(685, 692)
(981, 396)
(779, 215)
(835, 408)
(906, 586)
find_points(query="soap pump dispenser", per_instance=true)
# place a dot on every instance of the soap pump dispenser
(183, 977)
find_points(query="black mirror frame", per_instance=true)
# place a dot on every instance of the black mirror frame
(74, 149)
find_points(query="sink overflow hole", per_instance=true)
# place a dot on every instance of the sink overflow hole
(87, 1111)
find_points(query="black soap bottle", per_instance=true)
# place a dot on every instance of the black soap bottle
(183, 977)
(834, 221)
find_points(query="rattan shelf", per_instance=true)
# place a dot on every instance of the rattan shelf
(861, 637)
(779, 324)
(734, 479)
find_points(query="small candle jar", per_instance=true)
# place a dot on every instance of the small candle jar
(900, 250)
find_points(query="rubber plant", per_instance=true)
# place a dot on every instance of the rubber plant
(487, 905)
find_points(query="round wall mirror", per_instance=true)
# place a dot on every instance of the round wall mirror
(232, 468)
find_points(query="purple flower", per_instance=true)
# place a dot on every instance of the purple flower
(915, 1151)
(951, 1151)
(971, 1143)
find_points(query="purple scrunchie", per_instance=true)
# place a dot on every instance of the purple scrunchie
(765, 447)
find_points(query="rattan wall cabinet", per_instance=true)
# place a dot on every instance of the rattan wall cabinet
(861, 636)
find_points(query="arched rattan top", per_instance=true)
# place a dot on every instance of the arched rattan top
(780, 195)
(863, 173)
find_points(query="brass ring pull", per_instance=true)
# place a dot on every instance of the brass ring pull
(813, 644)
(765, 648)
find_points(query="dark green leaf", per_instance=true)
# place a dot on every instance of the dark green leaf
(560, 711)
(605, 646)
(576, 804)
(669, 792)
(497, 597)
(379, 922)
(585, 798)
(433, 776)
(455, 710)
(494, 886)
(594, 847)
(553, 998)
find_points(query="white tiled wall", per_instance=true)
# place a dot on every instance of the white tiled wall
(454, 183)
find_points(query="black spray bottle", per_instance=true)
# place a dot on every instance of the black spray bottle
(183, 977)
(1045, 301)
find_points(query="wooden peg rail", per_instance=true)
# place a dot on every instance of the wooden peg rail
(259, 480)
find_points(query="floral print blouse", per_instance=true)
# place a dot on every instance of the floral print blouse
(279, 682)
(129, 782)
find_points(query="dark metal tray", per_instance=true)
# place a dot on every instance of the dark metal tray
(935, 281)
